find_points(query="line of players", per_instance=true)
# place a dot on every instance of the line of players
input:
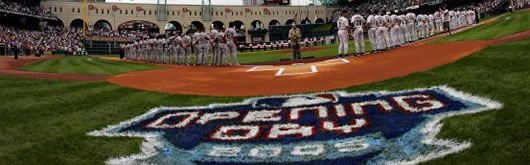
(388, 30)
(177, 49)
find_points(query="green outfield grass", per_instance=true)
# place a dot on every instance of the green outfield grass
(505, 25)
(86, 65)
(46, 121)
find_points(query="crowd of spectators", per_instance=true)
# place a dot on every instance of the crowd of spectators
(22, 7)
(388, 5)
(481, 6)
(106, 34)
(33, 42)
(520, 4)
(487, 5)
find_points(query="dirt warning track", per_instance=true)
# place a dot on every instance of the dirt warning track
(246, 81)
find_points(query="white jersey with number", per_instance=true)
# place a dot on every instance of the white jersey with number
(437, 16)
(411, 17)
(230, 33)
(402, 19)
(204, 38)
(177, 41)
(371, 22)
(420, 19)
(379, 21)
(357, 21)
(452, 15)
(430, 17)
(186, 40)
(342, 23)
(195, 38)
(395, 20)
(388, 20)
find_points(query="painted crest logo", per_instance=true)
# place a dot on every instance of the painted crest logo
(323, 128)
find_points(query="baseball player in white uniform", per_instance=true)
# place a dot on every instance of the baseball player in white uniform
(215, 53)
(343, 27)
(430, 19)
(395, 30)
(382, 39)
(155, 53)
(204, 47)
(358, 22)
(164, 50)
(452, 19)
(458, 17)
(463, 18)
(154, 47)
(411, 18)
(372, 28)
(196, 45)
(387, 21)
(220, 42)
(470, 17)
(171, 50)
(438, 21)
(231, 49)
(143, 46)
(137, 50)
(420, 26)
(141, 53)
(125, 49)
(178, 50)
(150, 48)
(446, 19)
(403, 27)
(186, 47)
(130, 50)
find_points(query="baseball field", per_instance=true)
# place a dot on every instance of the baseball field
(46, 121)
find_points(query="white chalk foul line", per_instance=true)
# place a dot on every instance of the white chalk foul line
(256, 68)
(332, 62)
(253, 68)
(279, 73)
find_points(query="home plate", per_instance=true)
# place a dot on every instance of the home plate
(298, 68)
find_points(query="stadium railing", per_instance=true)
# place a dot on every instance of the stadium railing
(103, 46)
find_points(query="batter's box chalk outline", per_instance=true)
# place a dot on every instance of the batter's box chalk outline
(333, 62)
(280, 72)
(256, 68)
(313, 67)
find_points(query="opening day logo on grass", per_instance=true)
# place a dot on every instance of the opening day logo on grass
(323, 128)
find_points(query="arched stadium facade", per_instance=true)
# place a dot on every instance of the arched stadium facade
(183, 17)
